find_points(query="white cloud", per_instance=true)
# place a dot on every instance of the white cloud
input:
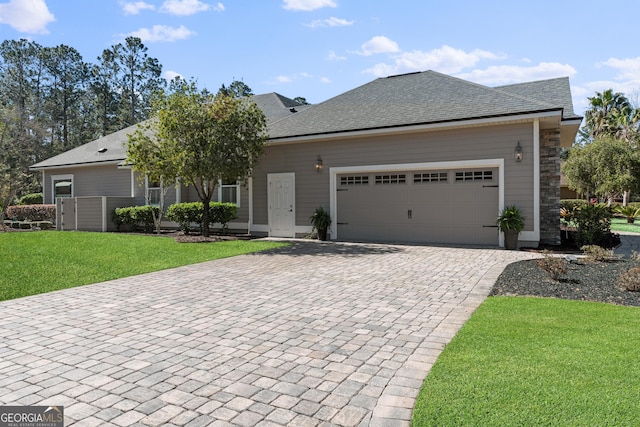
(134, 8)
(445, 59)
(332, 56)
(289, 78)
(185, 7)
(325, 80)
(331, 22)
(379, 44)
(170, 75)
(162, 33)
(307, 5)
(505, 74)
(219, 7)
(26, 16)
(628, 68)
(282, 79)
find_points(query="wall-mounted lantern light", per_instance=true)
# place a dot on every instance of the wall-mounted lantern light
(518, 153)
(319, 164)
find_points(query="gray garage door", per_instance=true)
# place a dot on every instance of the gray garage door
(453, 206)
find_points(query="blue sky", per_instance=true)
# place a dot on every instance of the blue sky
(321, 48)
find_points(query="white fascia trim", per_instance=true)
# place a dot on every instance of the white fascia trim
(571, 122)
(457, 164)
(78, 165)
(415, 128)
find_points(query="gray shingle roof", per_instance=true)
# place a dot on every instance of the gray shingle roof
(416, 98)
(274, 106)
(395, 101)
(552, 91)
(88, 153)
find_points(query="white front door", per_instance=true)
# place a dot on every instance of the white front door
(282, 204)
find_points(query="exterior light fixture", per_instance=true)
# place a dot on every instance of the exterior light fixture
(518, 153)
(319, 164)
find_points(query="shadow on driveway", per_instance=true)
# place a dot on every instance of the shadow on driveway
(303, 248)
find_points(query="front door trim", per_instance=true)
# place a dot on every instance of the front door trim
(292, 218)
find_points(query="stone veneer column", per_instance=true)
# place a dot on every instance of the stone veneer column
(550, 186)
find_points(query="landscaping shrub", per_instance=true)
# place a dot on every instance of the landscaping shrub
(134, 216)
(32, 213)
(186, 214)
(556, 267)
(568, 209)
(630, 280)
(593, 223)
(31, 199)
(223, 213)
(595, 253)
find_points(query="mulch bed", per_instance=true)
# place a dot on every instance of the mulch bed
(583, 281)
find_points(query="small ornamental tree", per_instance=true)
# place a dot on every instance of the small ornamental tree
(200, 139)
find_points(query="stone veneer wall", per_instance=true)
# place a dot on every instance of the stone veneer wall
(550, 186)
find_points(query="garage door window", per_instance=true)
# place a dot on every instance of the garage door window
(430, 177)
(474, 176)
(354, 180)
(391, 179)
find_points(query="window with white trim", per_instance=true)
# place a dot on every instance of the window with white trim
(229, 191)
(153, 192)
(61, 186)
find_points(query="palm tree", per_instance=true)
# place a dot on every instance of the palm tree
(612, 115)
(598, 118)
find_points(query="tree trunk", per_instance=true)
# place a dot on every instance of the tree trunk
(205, 218)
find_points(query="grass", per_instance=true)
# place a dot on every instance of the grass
(620, 224)
(537, 361)
(34, 263)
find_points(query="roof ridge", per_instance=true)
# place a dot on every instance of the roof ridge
(521, 97)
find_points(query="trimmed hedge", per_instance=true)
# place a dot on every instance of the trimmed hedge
(135, 216)
(31, 199)
(186, 214)
(32, 213)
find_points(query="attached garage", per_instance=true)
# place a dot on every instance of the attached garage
(454, 205)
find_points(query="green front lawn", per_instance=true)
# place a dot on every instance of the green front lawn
(537, 361)
(620, 224)
(37, 262)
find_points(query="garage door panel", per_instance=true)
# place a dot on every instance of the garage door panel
(458, 210)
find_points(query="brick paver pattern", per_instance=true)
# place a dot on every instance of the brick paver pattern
(313, 334)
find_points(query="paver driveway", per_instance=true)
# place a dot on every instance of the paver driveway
(313, 334)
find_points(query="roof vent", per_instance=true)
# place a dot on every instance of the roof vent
(102, 150)
(293, 110)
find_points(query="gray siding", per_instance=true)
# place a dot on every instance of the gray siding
(89, 213)
(97, 180)
(312, 188)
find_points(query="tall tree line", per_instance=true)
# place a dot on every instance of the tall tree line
(51, 100)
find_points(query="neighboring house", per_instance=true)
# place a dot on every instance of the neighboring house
(420, 157)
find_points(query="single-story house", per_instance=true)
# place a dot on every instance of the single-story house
(419, 157)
